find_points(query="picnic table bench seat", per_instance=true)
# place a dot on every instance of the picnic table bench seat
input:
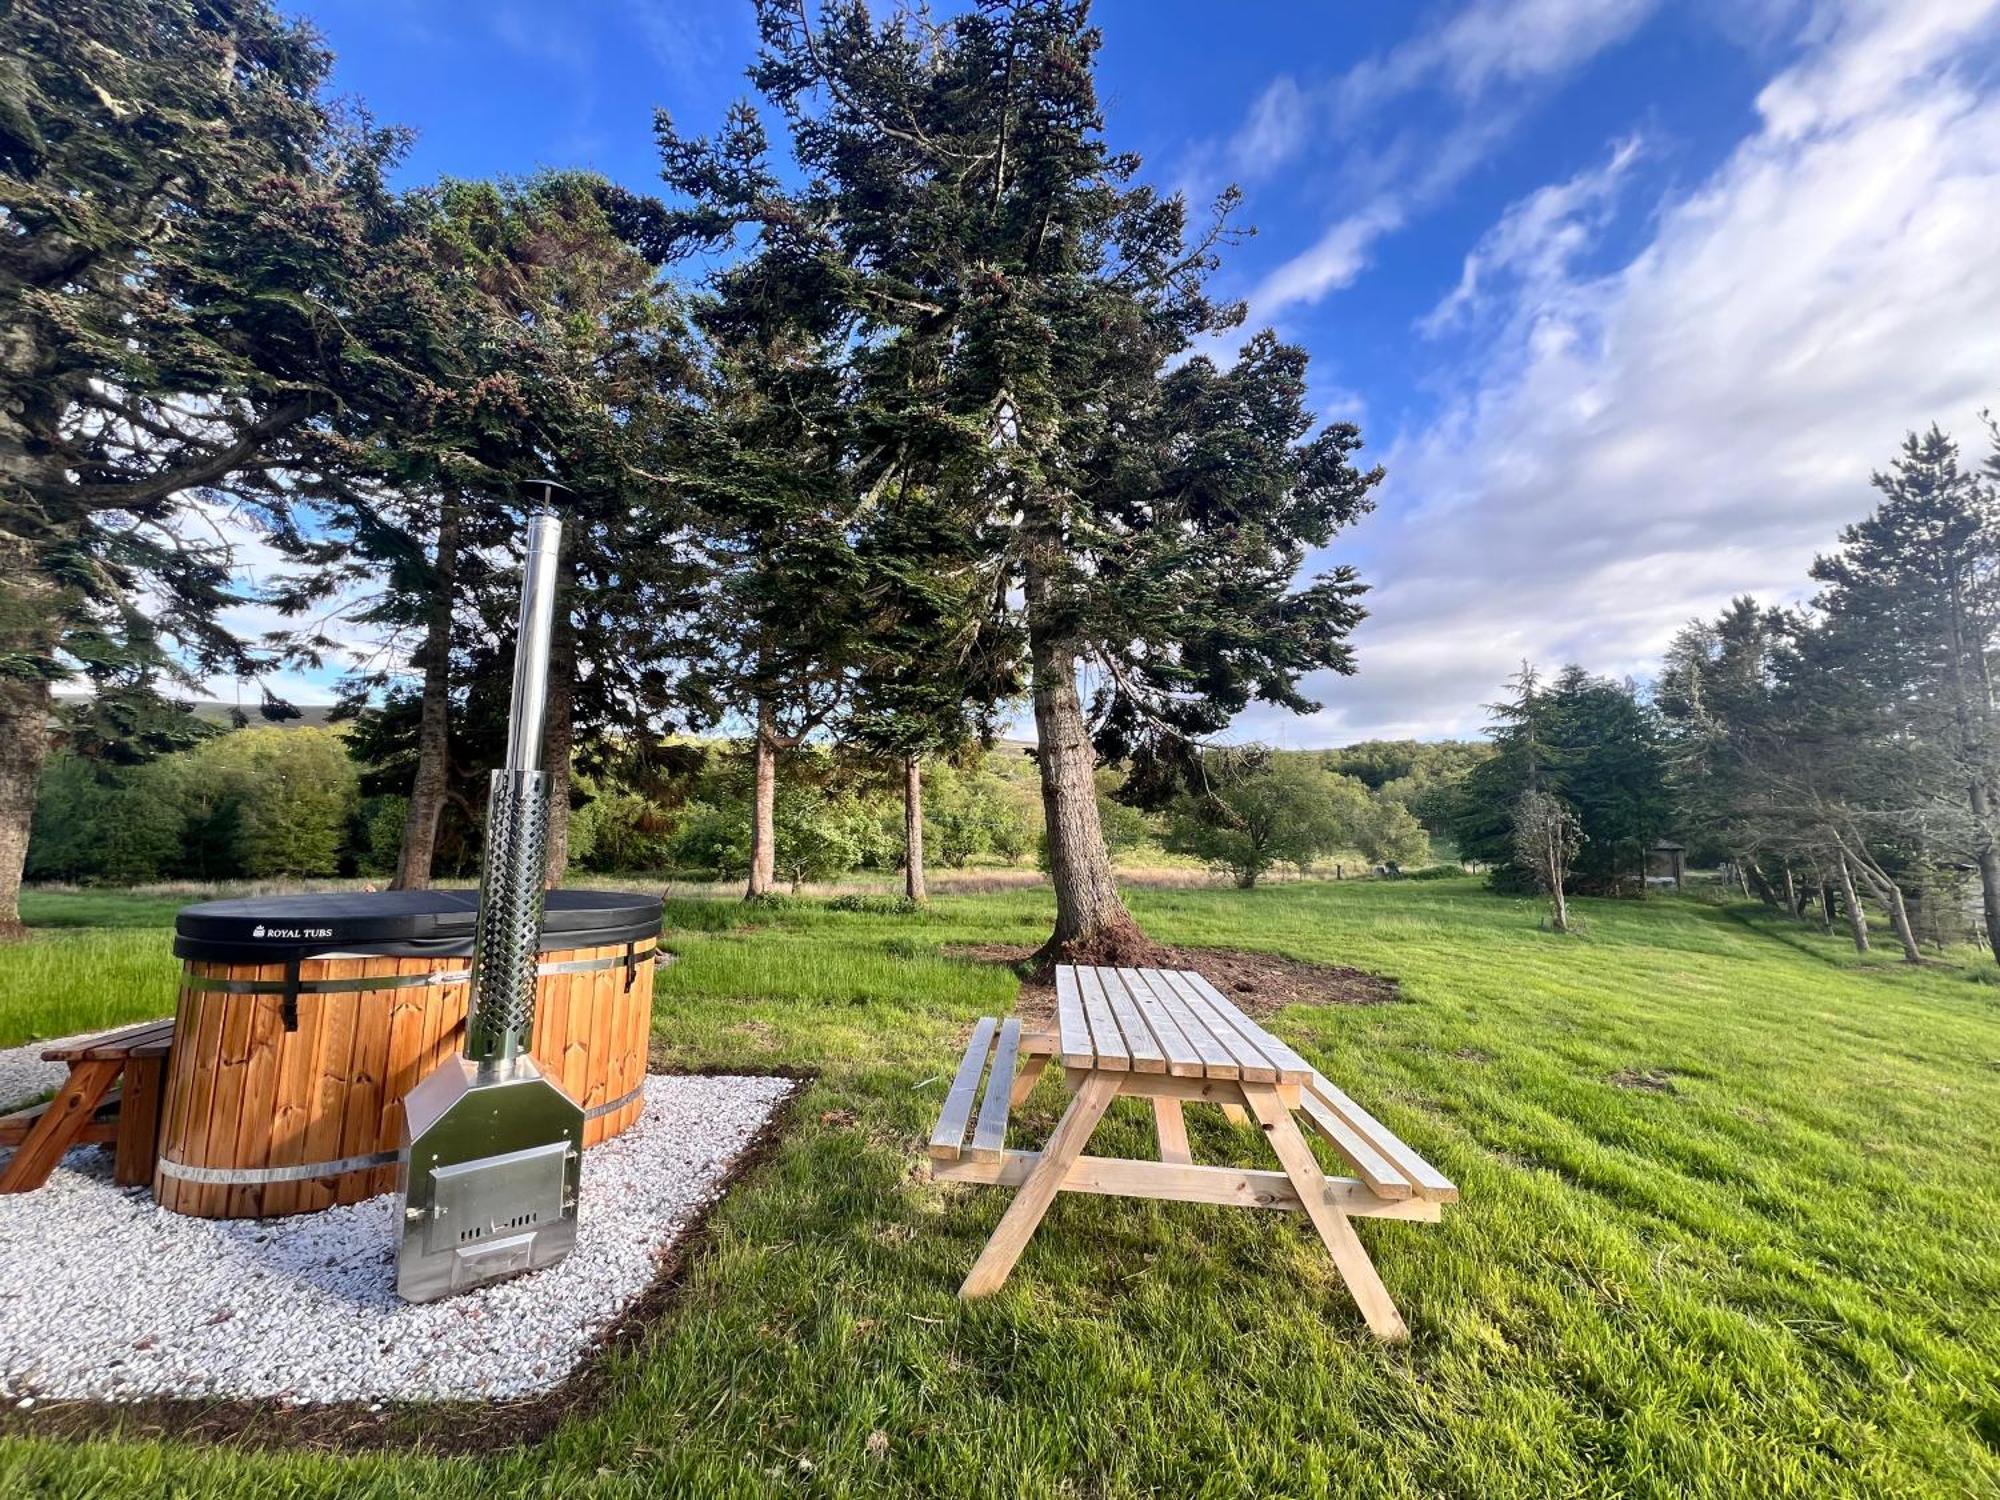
(1171, 1037)
(111, 1097)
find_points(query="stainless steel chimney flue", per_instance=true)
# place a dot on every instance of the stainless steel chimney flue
(493, 1151)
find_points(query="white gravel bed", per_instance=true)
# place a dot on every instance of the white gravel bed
(23, 1074)
(104, 1296)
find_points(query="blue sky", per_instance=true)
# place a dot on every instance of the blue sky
(1630, 295)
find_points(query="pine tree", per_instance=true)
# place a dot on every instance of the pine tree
(1592, 744)
(934, 668)
(776, 643)
(1009, 301)
(199, 285)
(568, 354)
(1916, 588)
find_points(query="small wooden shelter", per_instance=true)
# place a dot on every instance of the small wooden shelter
(1667, 860)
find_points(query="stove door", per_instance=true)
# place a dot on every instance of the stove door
(494, 1198)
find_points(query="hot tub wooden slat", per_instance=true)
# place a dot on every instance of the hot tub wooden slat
(362, 1112)
(257, 1108)
(330, 1092)
(208, 1057)
(292, 1112)
(552, 1020)
(605, 986)
(572, 1043)
(407, 1056)
(615, 1083)
(243, 1094)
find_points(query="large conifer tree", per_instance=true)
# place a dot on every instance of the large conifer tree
(1915, 591)
(569, 357)
(1012, 302)
(196, 281)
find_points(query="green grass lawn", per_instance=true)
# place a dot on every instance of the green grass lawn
(1781, 1277)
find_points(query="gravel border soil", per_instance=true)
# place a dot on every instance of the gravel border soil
(142, 1304)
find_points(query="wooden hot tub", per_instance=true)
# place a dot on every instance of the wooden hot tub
(304, 1020)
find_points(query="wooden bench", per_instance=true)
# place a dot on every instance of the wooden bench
(111, 1097)
(1171, 1037)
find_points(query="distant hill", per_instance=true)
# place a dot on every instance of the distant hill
(214, 711)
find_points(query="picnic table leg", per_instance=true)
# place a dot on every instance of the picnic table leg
(1172, 1127)
(1033, 1065)
(1234, 1114)
(1350, 1257)
(1011, 1235)
(138, 1147)
(56, 1131)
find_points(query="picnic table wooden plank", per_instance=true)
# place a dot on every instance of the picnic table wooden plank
(147, 1039)
(1104, 1038)
(1291, 1067)
(1370, 1165)
(1182, 1059)
(1119, 1176)
(1171, 1037)
(989, 1134)
(1217, 1061)
(950, 1132)
(1251, 1064)
(1072, 1027)
(1429, 1182)
(1140, 1044)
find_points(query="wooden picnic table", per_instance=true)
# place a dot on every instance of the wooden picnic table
(1171, 1037)
(88, 1108)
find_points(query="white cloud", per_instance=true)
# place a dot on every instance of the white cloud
(680, 38)
(1483, 58)
(1627, 451)
(1537, 240)
(1339, 255)
(1272, 133)
(1492, 42)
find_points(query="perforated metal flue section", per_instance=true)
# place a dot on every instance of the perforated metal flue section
(510, 917)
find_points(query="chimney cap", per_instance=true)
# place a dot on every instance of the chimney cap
(543, 492)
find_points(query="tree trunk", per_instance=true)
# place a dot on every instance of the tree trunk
(764, 806)
(1989, 866)
(1899, 918)
(913, 829)
(1857, 919)
(1760, 884)
(428, 788)
(1791, 895)
(1558, 897)
(1974, 721)
(24, 745)
(31, 606)
(1092, 923)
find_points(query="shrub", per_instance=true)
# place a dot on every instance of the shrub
(294, 791)
(877, 906)
(96, 822)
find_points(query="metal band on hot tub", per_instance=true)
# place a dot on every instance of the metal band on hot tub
(391, 981)
(305, 1171)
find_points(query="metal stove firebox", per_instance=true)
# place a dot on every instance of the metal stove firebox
(492, 1151)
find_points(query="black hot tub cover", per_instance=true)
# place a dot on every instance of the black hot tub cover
(279, 929)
